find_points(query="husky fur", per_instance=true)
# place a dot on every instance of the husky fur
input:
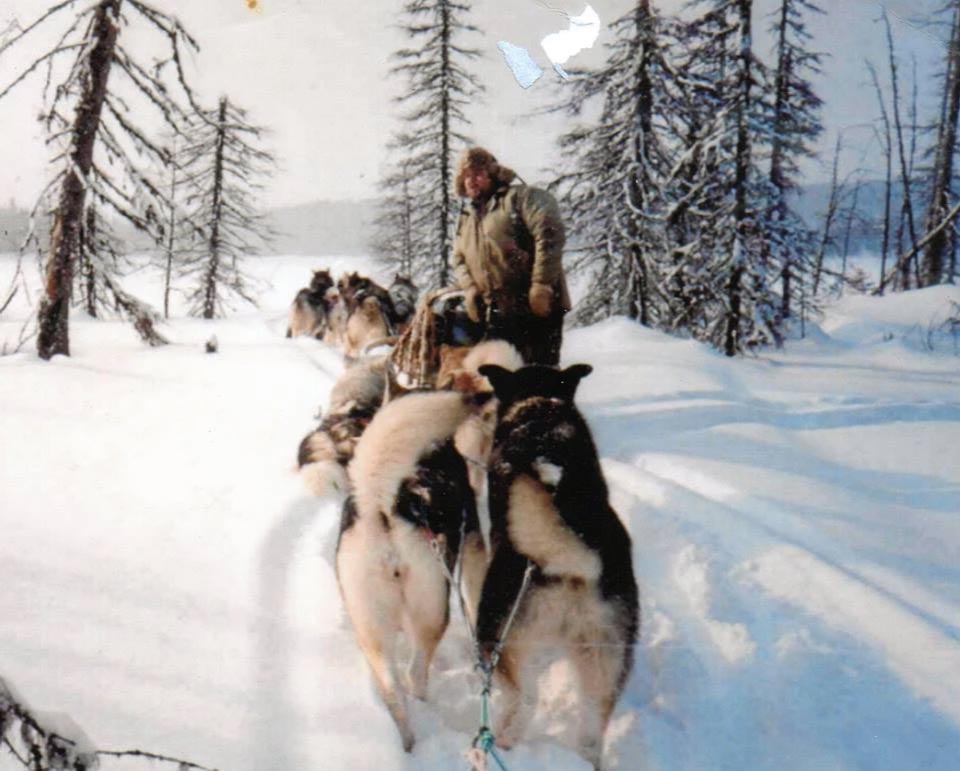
(325, 452)
(474, 440)
(311, 307)
(336, 328)
(321, 282)
(366, 324)
(408, 484)
(403, 292)
(307, 315)
(549, 506)
(354, 288)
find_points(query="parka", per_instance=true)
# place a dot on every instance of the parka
(511, 240)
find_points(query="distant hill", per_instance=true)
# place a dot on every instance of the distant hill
(866, 233)
(346, 227)
(318, 227)
(324, 227)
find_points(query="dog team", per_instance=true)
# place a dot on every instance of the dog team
(489, 471)
(352, 314)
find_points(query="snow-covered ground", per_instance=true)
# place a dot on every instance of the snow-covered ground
(166, 582)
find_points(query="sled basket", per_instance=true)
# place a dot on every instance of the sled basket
(440, 319)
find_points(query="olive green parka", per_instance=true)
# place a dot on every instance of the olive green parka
(513, 239)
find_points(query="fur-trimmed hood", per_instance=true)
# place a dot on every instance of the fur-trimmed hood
(478, 157)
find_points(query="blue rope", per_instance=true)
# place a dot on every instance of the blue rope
(485, 739)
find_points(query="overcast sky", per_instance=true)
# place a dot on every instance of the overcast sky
(315, 72)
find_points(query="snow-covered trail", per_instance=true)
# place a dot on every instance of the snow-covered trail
(796, 530)
(796, 524)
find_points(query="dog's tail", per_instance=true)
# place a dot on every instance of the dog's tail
(388, 340)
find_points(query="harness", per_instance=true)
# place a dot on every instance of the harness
(484, 743)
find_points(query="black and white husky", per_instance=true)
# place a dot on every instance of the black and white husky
(549, 509)
(410, 506)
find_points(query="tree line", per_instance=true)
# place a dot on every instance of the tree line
(682, 192)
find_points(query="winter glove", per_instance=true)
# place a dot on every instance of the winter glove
(541, 299)
(470, 304)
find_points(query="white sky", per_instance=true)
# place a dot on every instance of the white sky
(315, 72)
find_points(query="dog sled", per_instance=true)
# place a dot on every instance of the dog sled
(439, 335)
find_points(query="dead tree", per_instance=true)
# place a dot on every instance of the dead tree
(829, 216)
(93, 119)
(906, 211)
(886, 140)
(31, 742)
(935, 252)
(223, 170)
(795, 125)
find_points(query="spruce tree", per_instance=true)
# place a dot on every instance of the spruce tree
(439, 86)
(224, 169)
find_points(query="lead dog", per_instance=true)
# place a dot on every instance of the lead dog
(310, 310)
(411, 504)
(549, 510)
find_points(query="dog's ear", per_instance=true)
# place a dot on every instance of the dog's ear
(504, 381)
(570, 378)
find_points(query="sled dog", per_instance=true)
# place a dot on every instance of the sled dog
(307, 315)
(410, 504)
(311, 307)
(366, 324)
(549, 509)
(403, 292)
(324, 453)
(336, 329)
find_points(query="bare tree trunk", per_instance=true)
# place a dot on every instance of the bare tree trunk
(53, 334)
(887, 141)
(445, 150)
(639, 305)
(935, 251)
(406, 259)
(848, 226)
(907, 206)
(952, 273)
(777, 176)
(734, 284)
(213, 267)
(87, 250)
(171, 235)
(829, 216)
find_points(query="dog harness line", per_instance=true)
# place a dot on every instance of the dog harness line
(484, 743)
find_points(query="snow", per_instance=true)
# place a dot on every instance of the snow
(167, 584)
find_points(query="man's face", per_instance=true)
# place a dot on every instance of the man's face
(477, 182)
